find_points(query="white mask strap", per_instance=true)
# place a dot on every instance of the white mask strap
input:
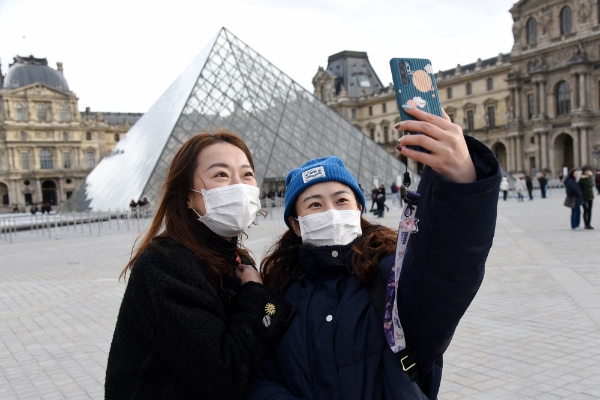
(199, 216)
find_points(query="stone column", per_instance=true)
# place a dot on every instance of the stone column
(576, 141)
(518, 104)
(542, 98)
(575, 92)
(538, 153)
(582, 102)
(38, 188)
(583, 142)
(511, 154)
(518, 155)
(536, 100)
(512, 103)
(60, 191)
(544, 149)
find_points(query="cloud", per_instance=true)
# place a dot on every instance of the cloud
(429, 69)
(419, 101)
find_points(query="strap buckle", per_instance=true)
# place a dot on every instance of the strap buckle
(404, 368)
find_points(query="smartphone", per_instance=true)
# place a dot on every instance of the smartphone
(414, 84)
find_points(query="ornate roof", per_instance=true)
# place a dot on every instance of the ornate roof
(25, 71)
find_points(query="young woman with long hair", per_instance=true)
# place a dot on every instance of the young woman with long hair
(196, 321)
(331, 262)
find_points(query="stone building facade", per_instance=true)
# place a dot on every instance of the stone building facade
(537, 108)
(47, 147)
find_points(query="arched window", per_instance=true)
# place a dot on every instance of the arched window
(531, 31)
(46, 159)
(116, 137)
(563, 98)
(469, 88)
(565, 21)
(88, 136)
(386, 134)
(63, 113)
(20, 112)
(42, 112)
(89, 158)
(23, 136)
(449, 93)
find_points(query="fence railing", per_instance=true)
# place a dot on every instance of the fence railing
(53, 224)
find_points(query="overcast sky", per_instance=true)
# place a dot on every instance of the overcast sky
(121, 55)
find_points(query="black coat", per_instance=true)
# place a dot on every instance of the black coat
(335, 347)
(179, 337)
(573, 190)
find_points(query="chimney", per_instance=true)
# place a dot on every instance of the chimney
(87, 110)
(59, 67)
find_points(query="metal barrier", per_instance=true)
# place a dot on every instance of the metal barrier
(53, 224)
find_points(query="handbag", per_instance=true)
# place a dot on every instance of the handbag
(570, 201)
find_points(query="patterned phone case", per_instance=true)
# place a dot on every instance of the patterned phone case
(420, 90)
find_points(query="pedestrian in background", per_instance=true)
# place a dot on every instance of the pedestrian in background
(381, 201)
(373, 197)
(395, 194)
(520, 188)
(504, 186)
(543, 181)
(529, 185)
(587, 192)
(573, 190)
(598, 181)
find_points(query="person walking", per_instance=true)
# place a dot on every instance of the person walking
(381, 201)
(504, 187)
(573, 190)
(338, 270)
(543, 181)
(529, 185)
(395, 194)
(587, 191)
(195, 321)
(374, 192)
(520, 188)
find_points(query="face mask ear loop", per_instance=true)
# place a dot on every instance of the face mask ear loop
(199, 216)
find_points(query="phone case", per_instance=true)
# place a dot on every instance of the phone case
(420, 89)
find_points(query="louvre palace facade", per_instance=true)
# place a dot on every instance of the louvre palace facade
(48, 147)
(537, 107)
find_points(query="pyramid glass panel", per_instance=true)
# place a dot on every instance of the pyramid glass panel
(229, 85)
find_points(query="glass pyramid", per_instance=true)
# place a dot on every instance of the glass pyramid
(230, 85)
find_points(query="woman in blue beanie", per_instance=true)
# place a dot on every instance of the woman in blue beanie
(330, 261)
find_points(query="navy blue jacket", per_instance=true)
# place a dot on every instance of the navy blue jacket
(335, 348)
(574, 190)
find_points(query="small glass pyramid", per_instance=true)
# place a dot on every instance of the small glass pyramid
(230, 85)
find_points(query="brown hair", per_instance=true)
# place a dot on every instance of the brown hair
(282, 260)
(174, 220)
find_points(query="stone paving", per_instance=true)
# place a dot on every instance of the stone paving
(533, 331)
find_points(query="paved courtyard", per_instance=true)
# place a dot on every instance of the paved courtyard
(533, 331)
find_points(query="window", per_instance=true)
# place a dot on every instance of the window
(353, 112)
(46, 159)
(470, 122)
(532, 140)
(490, 84)
(384, 107)
(451, 117)
(530, 105)
(42, 112)
(88, 136)
(449, 92)
(65, 136)
(370, 111)
(491, 116)
(531, 31)
(89, 158)
(386, 134)
(563, 98)
(25, 161)
(363, 81)
(565, 21)
(63, 113)
(469, 88)
(372, 133)
(21, 112)
(23, 136)
(116, 137)
(67, 160)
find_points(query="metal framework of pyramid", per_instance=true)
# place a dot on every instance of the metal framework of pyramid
(230, 85)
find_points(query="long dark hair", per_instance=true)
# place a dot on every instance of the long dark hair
(174, 220)
(283, 257)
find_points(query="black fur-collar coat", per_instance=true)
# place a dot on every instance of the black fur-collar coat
(178, 336)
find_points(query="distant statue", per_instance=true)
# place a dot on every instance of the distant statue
(517, 29)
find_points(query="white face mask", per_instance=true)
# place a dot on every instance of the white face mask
(229, 209)
(330, 228)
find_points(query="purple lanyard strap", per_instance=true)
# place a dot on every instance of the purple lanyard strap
(394, 333)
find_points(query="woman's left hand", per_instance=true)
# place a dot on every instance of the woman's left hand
(449, 155)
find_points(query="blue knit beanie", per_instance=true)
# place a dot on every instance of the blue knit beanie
(316, 171)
